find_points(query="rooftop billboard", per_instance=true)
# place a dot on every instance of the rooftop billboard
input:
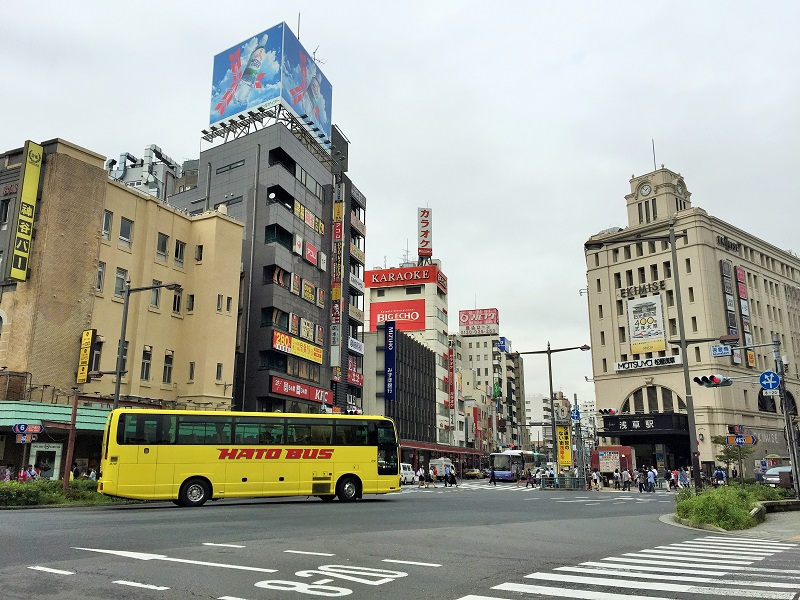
(408, 315)
(480, 321)
(270, 68)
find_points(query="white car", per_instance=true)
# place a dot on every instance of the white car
(407, 474)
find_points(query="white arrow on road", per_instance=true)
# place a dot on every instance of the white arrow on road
(146, 556)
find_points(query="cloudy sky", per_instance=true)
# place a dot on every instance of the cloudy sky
(519, 123)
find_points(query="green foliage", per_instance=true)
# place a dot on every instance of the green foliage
(728, 506)
(36, 493)
(731, 454)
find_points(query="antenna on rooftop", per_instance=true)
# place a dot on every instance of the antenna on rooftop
(654, 154)
(298, 26)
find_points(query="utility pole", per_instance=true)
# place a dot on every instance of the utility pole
(787, 418)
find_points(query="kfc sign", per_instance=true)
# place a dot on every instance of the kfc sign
(408, 314)
(287, 387)
(482, 321)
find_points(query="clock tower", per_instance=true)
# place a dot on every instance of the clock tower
(656, 196)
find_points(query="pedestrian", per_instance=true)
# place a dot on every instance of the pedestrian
(734, 473)
(5, 474)
(420, 476)
(651, 480)
(683, 478)
(538, 478)
(642, 480)
(30, 474)
(492, 478)
(453, 477)
(92, 474)
(517, 475)
(529, 480)
(432, 475)
(668, 478)
(616, 479)
(626, 480)
(446, 475)
(596, 480)
(76, 472)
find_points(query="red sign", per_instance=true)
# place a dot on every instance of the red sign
(481, 321)
(355, 377)
(408, 314)
(311, 253)
(451, 376)
(425, 235)
(405, 276)
(287, 387)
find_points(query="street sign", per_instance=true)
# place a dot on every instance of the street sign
(741, 440)
(26, 438)
(771, 392)
(721, 350)
(575, 414)
(27, 428)
(769, 380)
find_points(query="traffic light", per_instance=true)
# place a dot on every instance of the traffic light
(607, 411)
(353, 411)
(713, 381)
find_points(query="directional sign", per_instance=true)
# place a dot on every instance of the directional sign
(741, 440)
(575, 414)
(27, 428)
(26, 438)
(771, 392)
(769, 380)
(720, 350)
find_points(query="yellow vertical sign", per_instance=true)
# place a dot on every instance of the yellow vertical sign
(564, 446)
(29, 189)
(87, 341)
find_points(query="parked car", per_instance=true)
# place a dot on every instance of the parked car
(407, 474)
(473, 474)
(772, 476)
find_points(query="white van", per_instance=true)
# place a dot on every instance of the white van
(407, 474)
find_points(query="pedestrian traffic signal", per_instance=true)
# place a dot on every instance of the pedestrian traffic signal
(608, 411)
(713, 381)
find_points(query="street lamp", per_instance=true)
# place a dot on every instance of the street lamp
(671, 239)
(127, 290)
(549, 352)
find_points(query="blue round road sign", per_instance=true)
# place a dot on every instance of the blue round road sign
(769, 380)
(575, 414)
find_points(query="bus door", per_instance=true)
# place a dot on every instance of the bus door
(385, 438)
(138, 438)
(281, 474)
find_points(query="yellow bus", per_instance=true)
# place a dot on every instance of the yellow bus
(189, 457)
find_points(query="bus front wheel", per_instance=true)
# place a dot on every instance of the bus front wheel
(327, 497)
(194, 492)
(347, 489)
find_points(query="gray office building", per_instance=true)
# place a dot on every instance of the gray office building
(299, 332)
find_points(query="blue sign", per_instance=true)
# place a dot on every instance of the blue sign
(740, 440)
(769, 380)
(390, 362)
(503, 344)
(718, 350)
(575, 414)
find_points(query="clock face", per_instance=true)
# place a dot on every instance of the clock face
(645, 190)
(680, 188)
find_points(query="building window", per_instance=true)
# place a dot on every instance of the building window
(654, 272)
(413, 289)
(198, 252)
(691, 294)
(180, 252)
(626, 252)
(688, 265)
(629, 278)
(599, 286)
(108, 219)
(639, 249)
(162, 246)
(605, 366)
(219, 372)
(219, 302)
(621, 334)
(696, 354)
(381, 293)
(101, 276)
(176, 301)
(670, 298)
(694, 324)
(620, 309)
(126, 232)
(124, 357)
(155, 294)
(189, 302)
(167, 376)
(642, 278)
(191, 371)
(615, 255)
(651, 246)
(617, 281)
(97, 351)
(673, 327)
(600, 311)
(597, 260)
(147, 358)
(228, 303)
(119, 282)
(641, 214)
(602, 338)
(667, 270)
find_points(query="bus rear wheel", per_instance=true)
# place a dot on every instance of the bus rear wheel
(194, 492)
(347, 489)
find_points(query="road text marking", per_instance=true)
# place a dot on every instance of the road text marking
(49, 570)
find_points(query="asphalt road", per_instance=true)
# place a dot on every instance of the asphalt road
(470, 543)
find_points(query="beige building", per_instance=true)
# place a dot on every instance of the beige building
(731, 283)
(90, 235)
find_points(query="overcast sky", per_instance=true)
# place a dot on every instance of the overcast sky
(518, 123)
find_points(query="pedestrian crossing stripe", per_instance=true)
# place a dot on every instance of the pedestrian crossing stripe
(711, 565)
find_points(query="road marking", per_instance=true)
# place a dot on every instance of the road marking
(680, 571)
(146, 586)
(690, 551)
(620, 573)
(722, 549)
(224, 545)
(411, 562)
(49, 570)
(146, 556)
(653, 585)
(230, 598)
(565, 593)
(674, 561)
(592, 504)
(751, 540)
(311, 553)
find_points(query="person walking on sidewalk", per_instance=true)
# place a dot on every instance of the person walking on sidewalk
(492, 478)
(616, 479)
(596, 480)
(420, 476)
(626, 480)
(651, 480)
(446, 475)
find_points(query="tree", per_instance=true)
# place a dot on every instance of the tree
(731, 453)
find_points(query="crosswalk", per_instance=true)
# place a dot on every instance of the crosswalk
(579, 497)
(715, 565)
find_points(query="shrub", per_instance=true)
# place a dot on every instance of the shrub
(727, 506)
